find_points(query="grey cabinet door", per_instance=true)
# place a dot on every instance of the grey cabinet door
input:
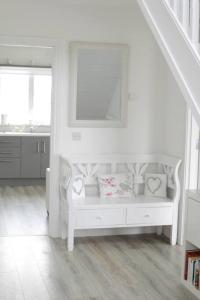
(9, 141)
(8, 152)
(44, 155)
(30, 157)
(9, 168)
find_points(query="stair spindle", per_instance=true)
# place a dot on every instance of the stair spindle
(195, 22)
(186, 15)
(176, 7)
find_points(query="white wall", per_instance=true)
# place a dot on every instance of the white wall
(142, 110)
(175, 111)
(98, 21)
(27, 56)
(175, 132)
(172, 139)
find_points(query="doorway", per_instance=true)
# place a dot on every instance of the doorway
(25, 130)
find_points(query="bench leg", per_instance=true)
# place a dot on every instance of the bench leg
(70, 241)
(63, 203)
(174, 228)
(159, 230)
(70, 238)
(63, 223)
(173, 234)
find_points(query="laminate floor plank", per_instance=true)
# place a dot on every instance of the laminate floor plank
(22, 210)
(10, 287)
(103, 268)
(36, 267)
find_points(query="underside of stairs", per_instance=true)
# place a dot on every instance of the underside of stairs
(175, 25)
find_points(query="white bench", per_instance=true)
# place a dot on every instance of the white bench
(139, 211)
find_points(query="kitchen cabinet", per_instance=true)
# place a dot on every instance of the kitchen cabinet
(44, 156)
(9, 157)
(35, 157)
(9, 141)
(24, 156)
(9, 168)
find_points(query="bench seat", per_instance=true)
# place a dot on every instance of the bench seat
(138, 201)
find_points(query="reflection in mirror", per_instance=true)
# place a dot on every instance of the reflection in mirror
(99, 72)
(99, 84)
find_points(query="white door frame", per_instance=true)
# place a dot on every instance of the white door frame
(58, 46)
(187, 168)
(186, 172)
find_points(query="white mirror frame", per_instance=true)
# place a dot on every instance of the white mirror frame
(73, 122)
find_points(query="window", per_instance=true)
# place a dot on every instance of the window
(25, 95)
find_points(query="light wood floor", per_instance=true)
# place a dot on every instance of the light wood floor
(22, 210)
(106, 268)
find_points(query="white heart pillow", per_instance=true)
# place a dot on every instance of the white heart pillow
(155, 185)
(78, 187)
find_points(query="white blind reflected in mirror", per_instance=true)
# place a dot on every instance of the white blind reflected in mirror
(99, 84)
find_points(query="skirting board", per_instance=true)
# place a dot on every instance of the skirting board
(18, 182)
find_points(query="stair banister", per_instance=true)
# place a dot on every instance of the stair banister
(175, 42)
(190, 20)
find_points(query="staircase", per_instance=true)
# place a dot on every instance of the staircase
(187, 15)
(176, 27)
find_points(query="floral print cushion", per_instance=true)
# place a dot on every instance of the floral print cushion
(115, 185)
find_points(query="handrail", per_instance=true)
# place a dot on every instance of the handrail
(187, 12)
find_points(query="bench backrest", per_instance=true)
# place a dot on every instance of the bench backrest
(93, 165)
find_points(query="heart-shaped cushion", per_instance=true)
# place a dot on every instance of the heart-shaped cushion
(153, 184)
(78, 186)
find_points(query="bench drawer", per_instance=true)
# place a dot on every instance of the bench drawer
(149, 216)
(100, 217)
(9, 141)
(9, 167)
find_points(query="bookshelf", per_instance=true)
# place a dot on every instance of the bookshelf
(191, 249)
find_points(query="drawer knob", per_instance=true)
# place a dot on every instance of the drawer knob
(147, 216)
(99, 218)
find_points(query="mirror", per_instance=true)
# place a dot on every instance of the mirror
(98, 85)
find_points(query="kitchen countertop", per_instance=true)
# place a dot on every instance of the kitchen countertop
(24, 134)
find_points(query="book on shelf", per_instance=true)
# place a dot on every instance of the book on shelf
(192, 267)
(196, 274)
